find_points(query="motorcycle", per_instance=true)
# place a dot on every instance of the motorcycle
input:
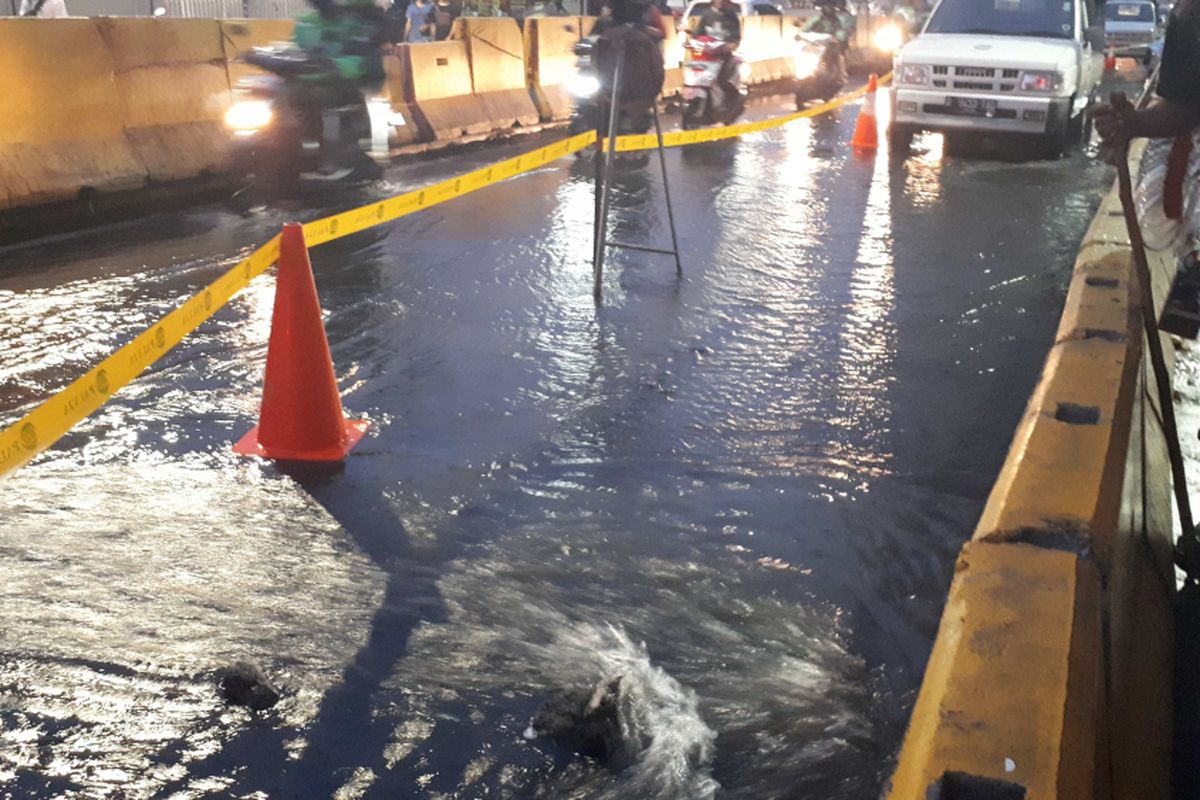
(296, 123)
(820, 67)
(705, 101)
(589, 95)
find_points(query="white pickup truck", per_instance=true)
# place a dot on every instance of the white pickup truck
(1131, 27)
(1029, 67)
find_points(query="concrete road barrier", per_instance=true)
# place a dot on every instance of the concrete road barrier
(434, 80)
(62, 130)
(550, 63)
(763, 45)
(496, 54)
(173, 89)
(1085, 487)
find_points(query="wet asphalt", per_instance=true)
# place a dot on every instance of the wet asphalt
(742, 491)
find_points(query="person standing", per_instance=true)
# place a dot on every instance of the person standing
(420, 26)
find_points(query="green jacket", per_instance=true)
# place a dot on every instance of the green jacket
(349, 36)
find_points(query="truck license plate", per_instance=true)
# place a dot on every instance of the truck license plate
(972, 107)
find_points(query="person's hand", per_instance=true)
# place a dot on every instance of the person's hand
(1115, 121)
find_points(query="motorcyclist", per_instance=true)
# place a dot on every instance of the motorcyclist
(831, 21)
(721, 22)
(345, 40)
(627, 30)
(907, 16)
(349, 35)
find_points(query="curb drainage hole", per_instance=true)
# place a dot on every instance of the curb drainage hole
(1074, 414)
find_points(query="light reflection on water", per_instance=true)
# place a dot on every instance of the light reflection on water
(706, 485)
(123, 595)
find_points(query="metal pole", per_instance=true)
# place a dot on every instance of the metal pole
(662, 162)
(598, 167)
(601, 232)
(1186, 554)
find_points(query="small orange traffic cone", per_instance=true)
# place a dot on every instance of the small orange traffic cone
(1110, 60)
(301, 415)
(866, 130)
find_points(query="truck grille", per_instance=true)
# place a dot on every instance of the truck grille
(1122, 39)
(1001, 80)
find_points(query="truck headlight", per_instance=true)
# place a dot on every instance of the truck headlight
(912, 73)
(888, 38)
(248, 116)
(1040, 81)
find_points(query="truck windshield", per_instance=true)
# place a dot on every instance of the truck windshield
(1129, 12)
(1041, 18)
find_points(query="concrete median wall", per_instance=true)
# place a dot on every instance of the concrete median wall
(62, 123)
(176, 134)
(1051, 672)
(550, 63)
(496, 55)
(110, 104)
(434, 80)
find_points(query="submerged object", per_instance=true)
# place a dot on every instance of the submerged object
(588, 720)
(245, 684)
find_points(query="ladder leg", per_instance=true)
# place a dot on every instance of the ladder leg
(662, 162)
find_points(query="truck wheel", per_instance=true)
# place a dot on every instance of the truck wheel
(1080, 128)
(1055, 144)
(900, 137)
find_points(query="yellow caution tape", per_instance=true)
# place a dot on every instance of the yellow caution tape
(51, 420)
(359, 219)
(47, 423)
(44, 425)
(678, 138)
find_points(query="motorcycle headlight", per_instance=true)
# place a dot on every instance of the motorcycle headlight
(1040, 81)
(912, 73)
(807, 62)
(583, 85)
(888, 38)
(248, 116)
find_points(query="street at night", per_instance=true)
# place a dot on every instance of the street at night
(741, 492)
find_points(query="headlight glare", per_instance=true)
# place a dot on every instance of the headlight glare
(807, 62)
(583, 85)
(248, 115)
(888, 38)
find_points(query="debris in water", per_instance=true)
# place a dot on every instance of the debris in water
(589, 722)
(245, 684)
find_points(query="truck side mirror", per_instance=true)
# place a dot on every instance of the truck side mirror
(1094, 36)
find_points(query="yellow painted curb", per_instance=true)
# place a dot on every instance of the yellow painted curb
(1012, 693)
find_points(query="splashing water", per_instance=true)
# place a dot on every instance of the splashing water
(655, 709)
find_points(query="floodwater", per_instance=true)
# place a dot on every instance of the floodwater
(741, 491)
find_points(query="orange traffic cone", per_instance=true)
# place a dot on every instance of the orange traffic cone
(866, 130)
(301, 415)
(1110, 60)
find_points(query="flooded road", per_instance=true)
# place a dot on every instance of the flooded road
(742, 492)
